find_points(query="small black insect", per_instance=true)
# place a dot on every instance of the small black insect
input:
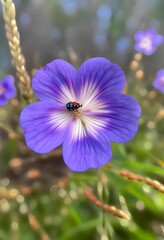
(71, 106)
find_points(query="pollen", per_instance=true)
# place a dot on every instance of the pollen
(78, 113)
(2, 90)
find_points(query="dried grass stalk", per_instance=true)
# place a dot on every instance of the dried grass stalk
(12, 33)
(153, 183)
(112, 209)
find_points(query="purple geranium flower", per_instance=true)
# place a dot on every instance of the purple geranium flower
(147, 42)
(83, 110)
(159, 81)
(7, 89)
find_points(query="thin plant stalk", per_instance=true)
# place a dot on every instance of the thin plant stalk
(13, 37)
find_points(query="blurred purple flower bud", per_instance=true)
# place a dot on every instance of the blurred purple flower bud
(147, 42)
(7, 89)
(159, 81)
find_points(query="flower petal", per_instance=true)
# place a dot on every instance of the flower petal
(44, 124)
(10, 90)
(119, 117)
(158, 82)
(98, 77)
(159, 39)
(55, 81)
(160, 73)
(139, 36)
(123, 118)
(3, 100)
(82, 150)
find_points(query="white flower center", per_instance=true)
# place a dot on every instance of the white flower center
(146, 43)
(89, 118)
(161, 81)
(2, 90)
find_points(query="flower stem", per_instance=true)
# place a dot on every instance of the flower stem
(12, 33)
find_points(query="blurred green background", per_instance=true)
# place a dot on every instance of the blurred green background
(39, 197)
